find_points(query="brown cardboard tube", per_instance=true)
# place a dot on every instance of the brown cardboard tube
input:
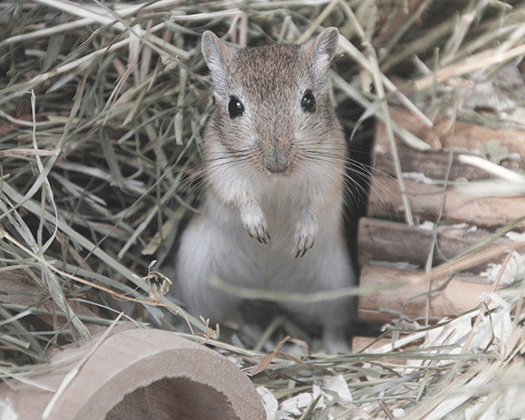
(138, 374)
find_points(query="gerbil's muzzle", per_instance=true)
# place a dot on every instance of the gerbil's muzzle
(277, 160)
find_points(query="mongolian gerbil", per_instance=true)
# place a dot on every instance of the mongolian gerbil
(274, 156)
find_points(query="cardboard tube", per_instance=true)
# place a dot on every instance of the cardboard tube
(137, 374)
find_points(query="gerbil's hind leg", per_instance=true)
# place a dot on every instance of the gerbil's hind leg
(201, 257)
(335, 341)
(338, 318)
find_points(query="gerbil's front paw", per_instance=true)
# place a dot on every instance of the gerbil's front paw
(305, 233)
(254, 222)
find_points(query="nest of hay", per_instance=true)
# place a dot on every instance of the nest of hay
(102, 107)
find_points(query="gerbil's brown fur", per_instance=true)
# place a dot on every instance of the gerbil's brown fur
(274, 166)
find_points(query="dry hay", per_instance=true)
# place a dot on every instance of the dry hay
(102, 107)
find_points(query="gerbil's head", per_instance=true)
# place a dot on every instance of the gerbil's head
(272, 115)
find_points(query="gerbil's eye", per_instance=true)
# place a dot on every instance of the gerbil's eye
(308, 101)
(235, 107)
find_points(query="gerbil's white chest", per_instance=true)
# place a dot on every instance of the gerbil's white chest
(282, 201)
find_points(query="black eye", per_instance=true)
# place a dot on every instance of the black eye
(308, 101)
(235, 107)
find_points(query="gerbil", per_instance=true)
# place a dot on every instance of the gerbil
(274, 166)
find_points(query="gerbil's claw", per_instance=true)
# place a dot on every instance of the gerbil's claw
(305, 233)
(300, 251)
(261, 234)
(254, 222)
(263, 239)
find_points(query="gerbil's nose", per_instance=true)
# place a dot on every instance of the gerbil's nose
(276, 160)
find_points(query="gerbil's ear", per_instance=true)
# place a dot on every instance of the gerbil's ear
(217, 56)
(322, 50)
